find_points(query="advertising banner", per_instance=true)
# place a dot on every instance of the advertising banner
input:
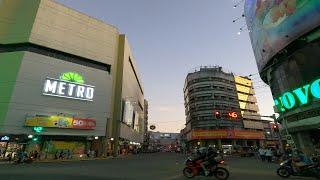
(245, 134)
(128, 113)
(61, 122)
(75, 147)
(252, 124)
(210, 134)
(227, 134)
(273, 24)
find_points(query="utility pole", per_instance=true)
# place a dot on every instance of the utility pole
(279, 133)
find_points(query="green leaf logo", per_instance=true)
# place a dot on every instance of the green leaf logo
(72, 77)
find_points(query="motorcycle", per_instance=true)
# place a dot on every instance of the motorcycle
(193, 168)
(28, 160)
(286, 170)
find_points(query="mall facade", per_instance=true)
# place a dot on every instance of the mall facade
(286, 48)
(221, 110)
(69, 82)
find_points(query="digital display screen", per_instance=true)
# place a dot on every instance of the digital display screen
(273, 24)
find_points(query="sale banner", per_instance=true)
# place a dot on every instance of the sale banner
(61, 122)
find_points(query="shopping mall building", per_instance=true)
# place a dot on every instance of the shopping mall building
(221, 110)
(69, 81)
(285, 41)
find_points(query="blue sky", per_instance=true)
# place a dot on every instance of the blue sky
(171, 37)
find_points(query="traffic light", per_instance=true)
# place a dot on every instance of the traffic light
(217, 115)
(275, 128)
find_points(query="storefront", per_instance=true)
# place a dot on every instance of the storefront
(219, 138)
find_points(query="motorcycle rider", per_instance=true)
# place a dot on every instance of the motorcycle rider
(208, 158)
(300, 160)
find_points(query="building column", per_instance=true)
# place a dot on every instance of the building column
(219, 144)
(303, 142)
(234, 142)
(245, 143)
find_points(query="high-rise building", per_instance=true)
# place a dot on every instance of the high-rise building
(246, 97)
(221, 109)
(65, 76)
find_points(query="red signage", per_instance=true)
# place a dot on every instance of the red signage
(233, 114)
(83, 123)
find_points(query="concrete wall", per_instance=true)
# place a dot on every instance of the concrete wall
(133, 92)
(59, 27)
(27, 96)
(16, 20)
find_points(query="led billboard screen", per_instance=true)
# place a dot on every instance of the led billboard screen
(273, 24)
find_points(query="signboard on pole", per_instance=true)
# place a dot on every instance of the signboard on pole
(289, 139)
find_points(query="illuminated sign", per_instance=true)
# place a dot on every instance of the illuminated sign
(70, 85)
(38, 129)
(5, 138)
(298, 97)
(233, 114)
(60, 122)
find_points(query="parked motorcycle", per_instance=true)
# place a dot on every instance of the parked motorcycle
(286, 170)
(25, 160)
(193, 168)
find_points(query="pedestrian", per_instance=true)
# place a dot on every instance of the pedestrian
(56, 155)
(68, 154)
(24, 156)
(88, 153)
(262, 152)
(35, 154)
(278, 154)
(269, 154)
(1, 152)
(61, 156)
(9, 156)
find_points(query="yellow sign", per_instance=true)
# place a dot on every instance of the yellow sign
(50, 121)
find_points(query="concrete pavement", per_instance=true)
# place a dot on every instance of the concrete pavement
(155, 166)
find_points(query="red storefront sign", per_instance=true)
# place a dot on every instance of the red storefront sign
(227, 134)
(83, 123)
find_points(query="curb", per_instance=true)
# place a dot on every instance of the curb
(72, 160)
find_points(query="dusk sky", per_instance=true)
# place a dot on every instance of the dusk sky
(169, 38)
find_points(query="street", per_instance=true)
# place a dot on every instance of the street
(143, 166)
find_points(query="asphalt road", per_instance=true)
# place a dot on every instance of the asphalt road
(162, 166)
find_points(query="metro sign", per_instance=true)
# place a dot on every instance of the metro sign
(298, 97)
(65, 88)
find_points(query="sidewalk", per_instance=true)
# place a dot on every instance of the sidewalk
(64, 160)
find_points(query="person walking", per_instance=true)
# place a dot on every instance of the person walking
(61, 156)
(262, 153)
(56, 155)
(269, 154)
(9, 156)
